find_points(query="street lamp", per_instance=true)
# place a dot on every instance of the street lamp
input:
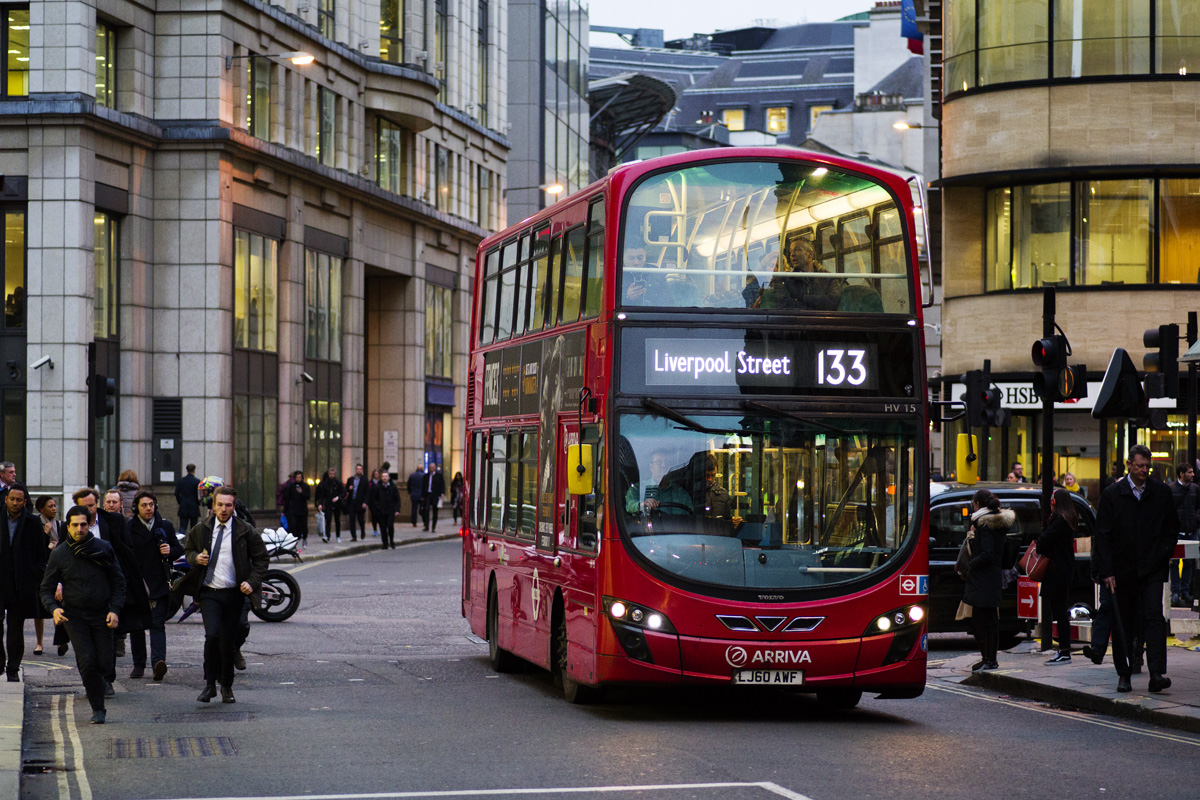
(298, 57)
(910, 126)
(548, 188)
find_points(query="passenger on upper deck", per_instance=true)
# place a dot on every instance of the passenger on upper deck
(809, 293)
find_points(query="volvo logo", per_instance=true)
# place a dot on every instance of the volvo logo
(736, 656)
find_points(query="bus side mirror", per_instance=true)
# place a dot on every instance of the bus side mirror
(579, 469)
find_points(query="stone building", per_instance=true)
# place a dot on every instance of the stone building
(270, 257)
(1070, 158)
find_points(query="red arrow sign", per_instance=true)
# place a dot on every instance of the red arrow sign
(1027, 598)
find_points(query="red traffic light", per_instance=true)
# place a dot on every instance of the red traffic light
(1051, 352)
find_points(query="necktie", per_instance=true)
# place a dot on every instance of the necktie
(216, 551)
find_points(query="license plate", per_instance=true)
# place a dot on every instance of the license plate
(769, 677)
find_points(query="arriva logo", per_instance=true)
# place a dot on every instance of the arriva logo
(737, 656)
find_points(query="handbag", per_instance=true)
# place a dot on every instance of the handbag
(1034, 564)
(962, 565)
(964, 611)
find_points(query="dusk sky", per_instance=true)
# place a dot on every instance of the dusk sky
(680, 18)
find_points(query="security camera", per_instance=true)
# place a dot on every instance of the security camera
(42, 362)
(304, 376)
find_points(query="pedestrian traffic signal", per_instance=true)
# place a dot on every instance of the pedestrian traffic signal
(974, 396)
(102, 393)
(1162, 364)
(1121, 394)
(1057, 381)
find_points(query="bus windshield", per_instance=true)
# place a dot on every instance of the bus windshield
(765, 501)
(765, 235)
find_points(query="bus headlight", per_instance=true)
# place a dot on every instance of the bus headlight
(904, 625)
(636, 616)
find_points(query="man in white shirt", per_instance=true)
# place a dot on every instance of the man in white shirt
(228, 557)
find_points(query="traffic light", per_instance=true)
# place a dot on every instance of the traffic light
(1121, 394)
(103, 395)
(993, 414)
(1057, 380)
(1162, 366)
(974, 396)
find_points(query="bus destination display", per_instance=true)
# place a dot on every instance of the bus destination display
(710, 363)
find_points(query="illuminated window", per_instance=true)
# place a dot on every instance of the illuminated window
(391, 31)
(16, 44)
(734, 119)
(14, 270)
(439, 325)
(323, 445)
(258, 97)
(814, 112)
(777, 120)
(323, 301)
(255, 276)
(326, 17)
(105, 252)
(106, 65)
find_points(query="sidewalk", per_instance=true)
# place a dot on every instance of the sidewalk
(1092, 687)
(12, 695)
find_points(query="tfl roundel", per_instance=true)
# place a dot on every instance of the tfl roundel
(914, 584)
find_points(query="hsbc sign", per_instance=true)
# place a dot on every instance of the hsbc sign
(738, 656)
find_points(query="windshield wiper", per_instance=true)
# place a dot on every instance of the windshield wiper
(750, 405)
(689, 423)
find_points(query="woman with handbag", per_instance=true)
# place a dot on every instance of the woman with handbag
(990, 525)
(1057, 543)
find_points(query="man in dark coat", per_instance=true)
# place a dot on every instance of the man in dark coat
(330, 493)
(93, 591)
(109, 527)
(186, 495)
(229, 562)
(358, 491)
(23, 554)
(1186, 494)
(433, 488)
(385, 504)
(295, 495)
(416, 482)
(154, 546)
(1136, 530)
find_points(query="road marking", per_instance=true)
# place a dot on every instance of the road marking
(1075, 716)
(344, 559)
(60, 755)
(85, 788)
(767, 785)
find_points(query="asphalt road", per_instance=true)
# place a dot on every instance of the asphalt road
(376, 689)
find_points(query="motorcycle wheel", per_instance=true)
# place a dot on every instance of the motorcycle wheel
(280, 597)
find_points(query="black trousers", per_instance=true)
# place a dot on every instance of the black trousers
(1054, 609)
(298, 526)
(333, 523)
(186, 523)
(429, 513)
(987, 632)
(358, 515)
(222, 613)
(14, 640)
(387, 530)
(416, 507)
(93, 642)
(1139, 604)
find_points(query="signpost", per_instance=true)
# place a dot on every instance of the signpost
(1027, 599)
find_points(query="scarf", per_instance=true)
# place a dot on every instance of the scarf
(88, 548)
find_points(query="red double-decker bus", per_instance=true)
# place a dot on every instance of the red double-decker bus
(696, 431)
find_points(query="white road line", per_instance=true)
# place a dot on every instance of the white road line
(60, 755)
(85, 788)
(770, 787)
(1074, 716)
(344, 559)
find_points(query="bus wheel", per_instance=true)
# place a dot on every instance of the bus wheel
(575, 692)
(502, 660)
(839, 699)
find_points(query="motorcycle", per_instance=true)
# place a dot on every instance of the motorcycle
(280, 591)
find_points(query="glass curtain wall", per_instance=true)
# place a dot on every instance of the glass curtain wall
(565, 128)
(1001, 41)
(1092, 233)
